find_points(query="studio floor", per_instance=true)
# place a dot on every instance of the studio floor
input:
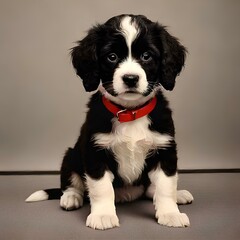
(214, 214)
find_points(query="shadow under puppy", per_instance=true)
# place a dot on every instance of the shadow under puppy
(126, 148)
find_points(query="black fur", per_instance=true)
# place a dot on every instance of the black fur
(89, 58)
(96, 160)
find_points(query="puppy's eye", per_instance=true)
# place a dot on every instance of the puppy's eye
(112, 57)
(146, 57)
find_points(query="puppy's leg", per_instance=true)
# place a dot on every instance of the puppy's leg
(101, 194)
(165, 198)
(71, 183)
(183, 196)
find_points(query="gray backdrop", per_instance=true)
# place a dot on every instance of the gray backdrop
(42, 102)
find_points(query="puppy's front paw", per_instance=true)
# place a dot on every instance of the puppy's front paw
(184, 197)
(102, 222)
(71, 200)
(173, 219)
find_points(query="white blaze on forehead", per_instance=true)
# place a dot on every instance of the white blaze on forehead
(129, 30)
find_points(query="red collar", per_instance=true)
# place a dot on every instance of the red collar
(125, 115)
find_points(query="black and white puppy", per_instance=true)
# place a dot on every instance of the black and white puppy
(126, 147)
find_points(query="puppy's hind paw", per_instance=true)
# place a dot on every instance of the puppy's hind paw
(71, 200)
(184, 197)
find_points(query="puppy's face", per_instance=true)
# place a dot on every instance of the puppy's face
(128, 62)
(130, 55)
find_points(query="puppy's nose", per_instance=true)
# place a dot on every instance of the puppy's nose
(130, 80)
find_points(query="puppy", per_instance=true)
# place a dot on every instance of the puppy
(126, 147)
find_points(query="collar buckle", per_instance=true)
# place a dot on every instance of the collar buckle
(119, 112)
(131, 114)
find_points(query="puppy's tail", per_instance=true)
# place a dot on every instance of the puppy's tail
(47, 194)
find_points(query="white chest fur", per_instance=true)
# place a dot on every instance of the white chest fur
(131, 142)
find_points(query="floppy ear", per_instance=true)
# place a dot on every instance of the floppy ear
(173, 57)
(85, 62)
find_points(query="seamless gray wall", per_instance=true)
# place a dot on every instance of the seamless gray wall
(42, 102)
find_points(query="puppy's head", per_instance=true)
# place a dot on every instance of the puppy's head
(130, 55)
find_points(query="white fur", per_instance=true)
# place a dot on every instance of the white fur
(129, 66)
(72, 197)
(129, 31)
(101, 193)
(37, 196)
(184, 197)
(136, 101)
(77, 182)
(165, 198)
(131, 142)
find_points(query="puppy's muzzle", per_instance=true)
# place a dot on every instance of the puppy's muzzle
(130, 80)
